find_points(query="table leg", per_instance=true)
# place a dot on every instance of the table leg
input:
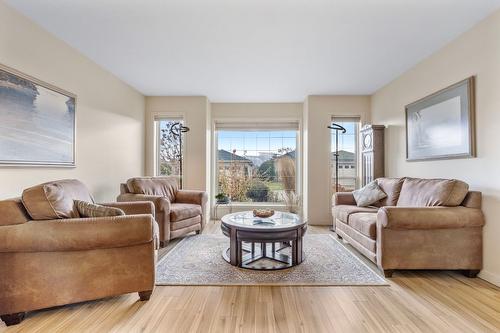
(294, 252)
(233, 248)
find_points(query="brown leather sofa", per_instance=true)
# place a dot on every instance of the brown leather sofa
(51, 256)
(178, 212)
(421, 224)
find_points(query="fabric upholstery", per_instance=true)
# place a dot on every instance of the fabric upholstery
(361, 239)
(166, 187)
(457, 248)
(37, 280)
(432, 192)
(172, 220)
(391, 187)
(54, 200)
(87, 209)
(134, 207)
(343, 212)
(429, 217)
(473, 199)
(365, 223)
(343, 198)
(62, 261)
(13, 212)
(181, 224)
(434, 224)
(368, 195)
(77, 234)
(182, 211)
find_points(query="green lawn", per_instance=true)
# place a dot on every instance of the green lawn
(274, 186)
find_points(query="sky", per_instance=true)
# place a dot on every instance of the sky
(253, 142)
(346, 141)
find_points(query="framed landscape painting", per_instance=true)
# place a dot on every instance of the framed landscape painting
(37, 122)
(441, 126)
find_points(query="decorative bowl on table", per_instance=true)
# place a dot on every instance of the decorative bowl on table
(263, 213)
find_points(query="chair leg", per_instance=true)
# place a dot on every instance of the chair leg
(145, 295)
(13, 318)
(471, 273)
(388, 273)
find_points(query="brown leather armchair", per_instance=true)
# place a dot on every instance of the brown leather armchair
(50, 256)
(178, 212)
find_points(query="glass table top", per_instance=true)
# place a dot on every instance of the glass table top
(280, 220)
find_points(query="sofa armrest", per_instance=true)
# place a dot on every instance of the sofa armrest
(429, 217)
(161, 203)
(77, 234)
(192, 197)
(133, 207)
(343, 198)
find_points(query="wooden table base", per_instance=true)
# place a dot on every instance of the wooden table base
(264, 256)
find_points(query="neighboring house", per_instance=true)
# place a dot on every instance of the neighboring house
(227, 161)
(347, 170)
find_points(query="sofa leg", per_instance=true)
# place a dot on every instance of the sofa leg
(198, 232)
(471, 273)
(339, 237)
(388, 273)
(145, 295)
(13, 318)
(163, 243)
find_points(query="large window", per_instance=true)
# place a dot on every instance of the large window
(348, 178)
(169, 147)
(257, 164)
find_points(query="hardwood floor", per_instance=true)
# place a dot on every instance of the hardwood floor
(414, 302)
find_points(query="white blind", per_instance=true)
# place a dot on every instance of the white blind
(160, 118)
(256, 126)
(346, 119)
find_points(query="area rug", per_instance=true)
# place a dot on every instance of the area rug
(197, 260)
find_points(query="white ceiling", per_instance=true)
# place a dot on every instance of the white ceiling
(256, 50)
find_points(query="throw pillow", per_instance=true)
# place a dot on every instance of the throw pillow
(87, 209)
(368, 195)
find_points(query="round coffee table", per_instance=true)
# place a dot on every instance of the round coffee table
(264, 243)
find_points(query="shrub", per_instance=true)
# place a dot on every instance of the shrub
(258, 191)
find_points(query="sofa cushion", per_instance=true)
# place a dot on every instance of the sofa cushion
(13, 212)
(391, 187)
(342, 212)
(88, 209)
(163, 186)
(182, 211)
(418, 192)
(55, 200)
(368, 194)
(365, 223)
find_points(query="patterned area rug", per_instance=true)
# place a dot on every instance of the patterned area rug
(197, 260)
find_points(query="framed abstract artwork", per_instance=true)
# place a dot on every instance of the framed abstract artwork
(37, 122)
(441, 125)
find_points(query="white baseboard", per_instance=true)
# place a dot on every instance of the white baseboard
(490, 277)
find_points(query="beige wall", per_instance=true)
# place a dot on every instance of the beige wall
(196, 113)
(477, 52)
(110, 114)
(318, 112)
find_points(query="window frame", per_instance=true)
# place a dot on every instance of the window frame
(245, 124)
(357, 153)
(156, 118)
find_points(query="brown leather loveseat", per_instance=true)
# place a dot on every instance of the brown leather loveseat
(421, 224)
(178, 212)
(51, 256)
